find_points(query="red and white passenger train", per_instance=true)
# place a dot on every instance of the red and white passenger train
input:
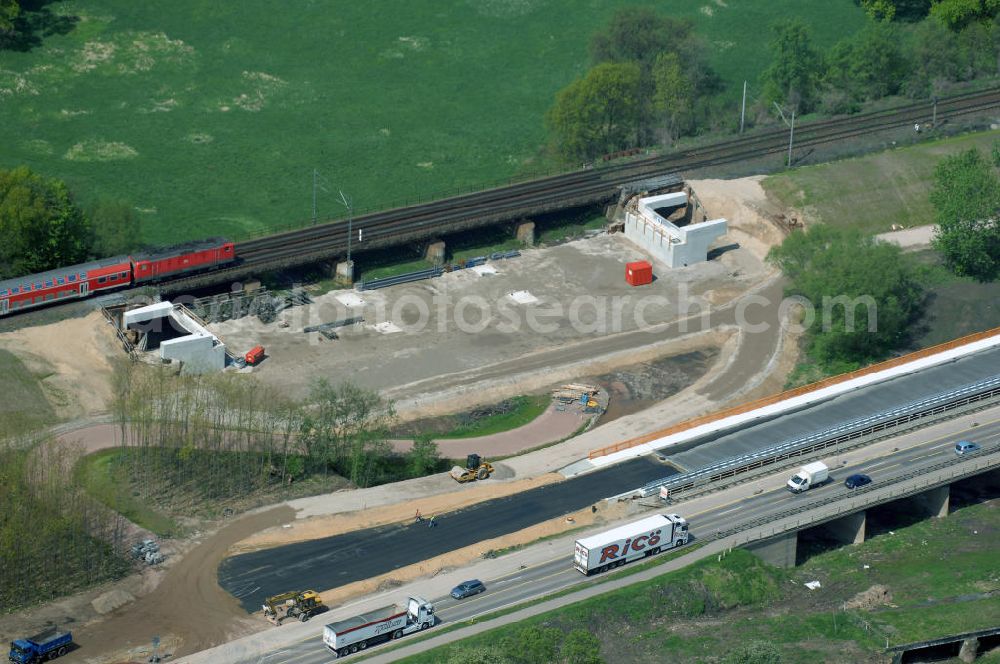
(78, 281)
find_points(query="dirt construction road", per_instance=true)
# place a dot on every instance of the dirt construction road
(188, 601)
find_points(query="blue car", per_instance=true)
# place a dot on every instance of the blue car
(857, 480)
(965, 447)
(467, 589)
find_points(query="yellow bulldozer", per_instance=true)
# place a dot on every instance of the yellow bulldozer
(476, 468)
(301, 604)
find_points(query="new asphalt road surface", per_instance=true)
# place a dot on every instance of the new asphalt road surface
(335, 561)
(559, 573)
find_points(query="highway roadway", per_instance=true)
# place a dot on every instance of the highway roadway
(557, 573)
(335, 561)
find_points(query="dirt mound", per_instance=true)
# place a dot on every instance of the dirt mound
(111, 600)
(876, 596)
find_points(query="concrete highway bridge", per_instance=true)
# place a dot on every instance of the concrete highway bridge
(896, 422)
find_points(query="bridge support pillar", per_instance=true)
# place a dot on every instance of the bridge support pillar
(344, 272)
(969, 650)
(935, 502)
(778, 551)
(435, 252)
(526, 233)
(849, 529)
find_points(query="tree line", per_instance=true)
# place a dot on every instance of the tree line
(222, 437)
(44, 227)
(54, 540)
(650, 82)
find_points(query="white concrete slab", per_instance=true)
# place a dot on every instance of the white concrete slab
(350, 299)
(483, 270)
(523, 297)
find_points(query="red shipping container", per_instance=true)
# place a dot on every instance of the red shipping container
(639, 273)
(255, 355)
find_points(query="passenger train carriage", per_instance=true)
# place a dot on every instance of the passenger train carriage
(79, 281)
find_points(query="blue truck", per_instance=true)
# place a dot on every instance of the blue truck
(49, 644)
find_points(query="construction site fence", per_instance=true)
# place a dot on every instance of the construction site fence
(789, 394)
(860, 431)
(114, 321)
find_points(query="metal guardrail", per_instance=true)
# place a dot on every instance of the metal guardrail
(420, 275)
(401, 279)
(985, 455)
(727, 468)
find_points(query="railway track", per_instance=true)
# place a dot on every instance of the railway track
(401, 225)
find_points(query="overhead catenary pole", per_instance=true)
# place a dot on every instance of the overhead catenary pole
(743, 108)
(350, 218)
(315, 176)
(791, 137)
(934, 116)
(791, 130)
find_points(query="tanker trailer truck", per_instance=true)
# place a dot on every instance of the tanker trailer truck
(390, 622)
(633, 541)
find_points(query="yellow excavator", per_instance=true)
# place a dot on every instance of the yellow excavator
(301, 604)
(476, 468)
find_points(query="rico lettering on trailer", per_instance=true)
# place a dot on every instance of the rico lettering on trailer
(638, 544)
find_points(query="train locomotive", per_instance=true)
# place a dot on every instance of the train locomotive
(86, 279)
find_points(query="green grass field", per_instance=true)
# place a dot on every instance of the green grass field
(98, 475)
(210, 117)
(876, 191)
(31, 409)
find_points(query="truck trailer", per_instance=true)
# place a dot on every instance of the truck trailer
(49, 644)
(810, 475)
(633, 541)
(390, 622)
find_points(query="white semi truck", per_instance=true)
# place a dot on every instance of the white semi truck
(390, 622)
(632, 541)
(810, 475)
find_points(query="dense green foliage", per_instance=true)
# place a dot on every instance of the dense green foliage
(966, 199)
(598, 113)
(650, 82)
(44, 228)
(9, 10)
(41, 225)
(116, 227)
(793, 79)
(863, 294)
(902, 50)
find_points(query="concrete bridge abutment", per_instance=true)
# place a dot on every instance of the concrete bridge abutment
(935, 502)
(779, 551)
(526, 233)
(435, 252)
(848, 529)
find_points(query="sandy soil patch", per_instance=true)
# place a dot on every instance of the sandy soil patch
(745, 205)
(74, 356)
(325, 526)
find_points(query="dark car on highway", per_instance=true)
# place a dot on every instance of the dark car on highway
(857, 480)
(467, 589)
(965, 447)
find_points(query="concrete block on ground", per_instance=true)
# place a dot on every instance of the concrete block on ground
(344, 272)
(435, 252)
(526, 233)
(969, 650)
